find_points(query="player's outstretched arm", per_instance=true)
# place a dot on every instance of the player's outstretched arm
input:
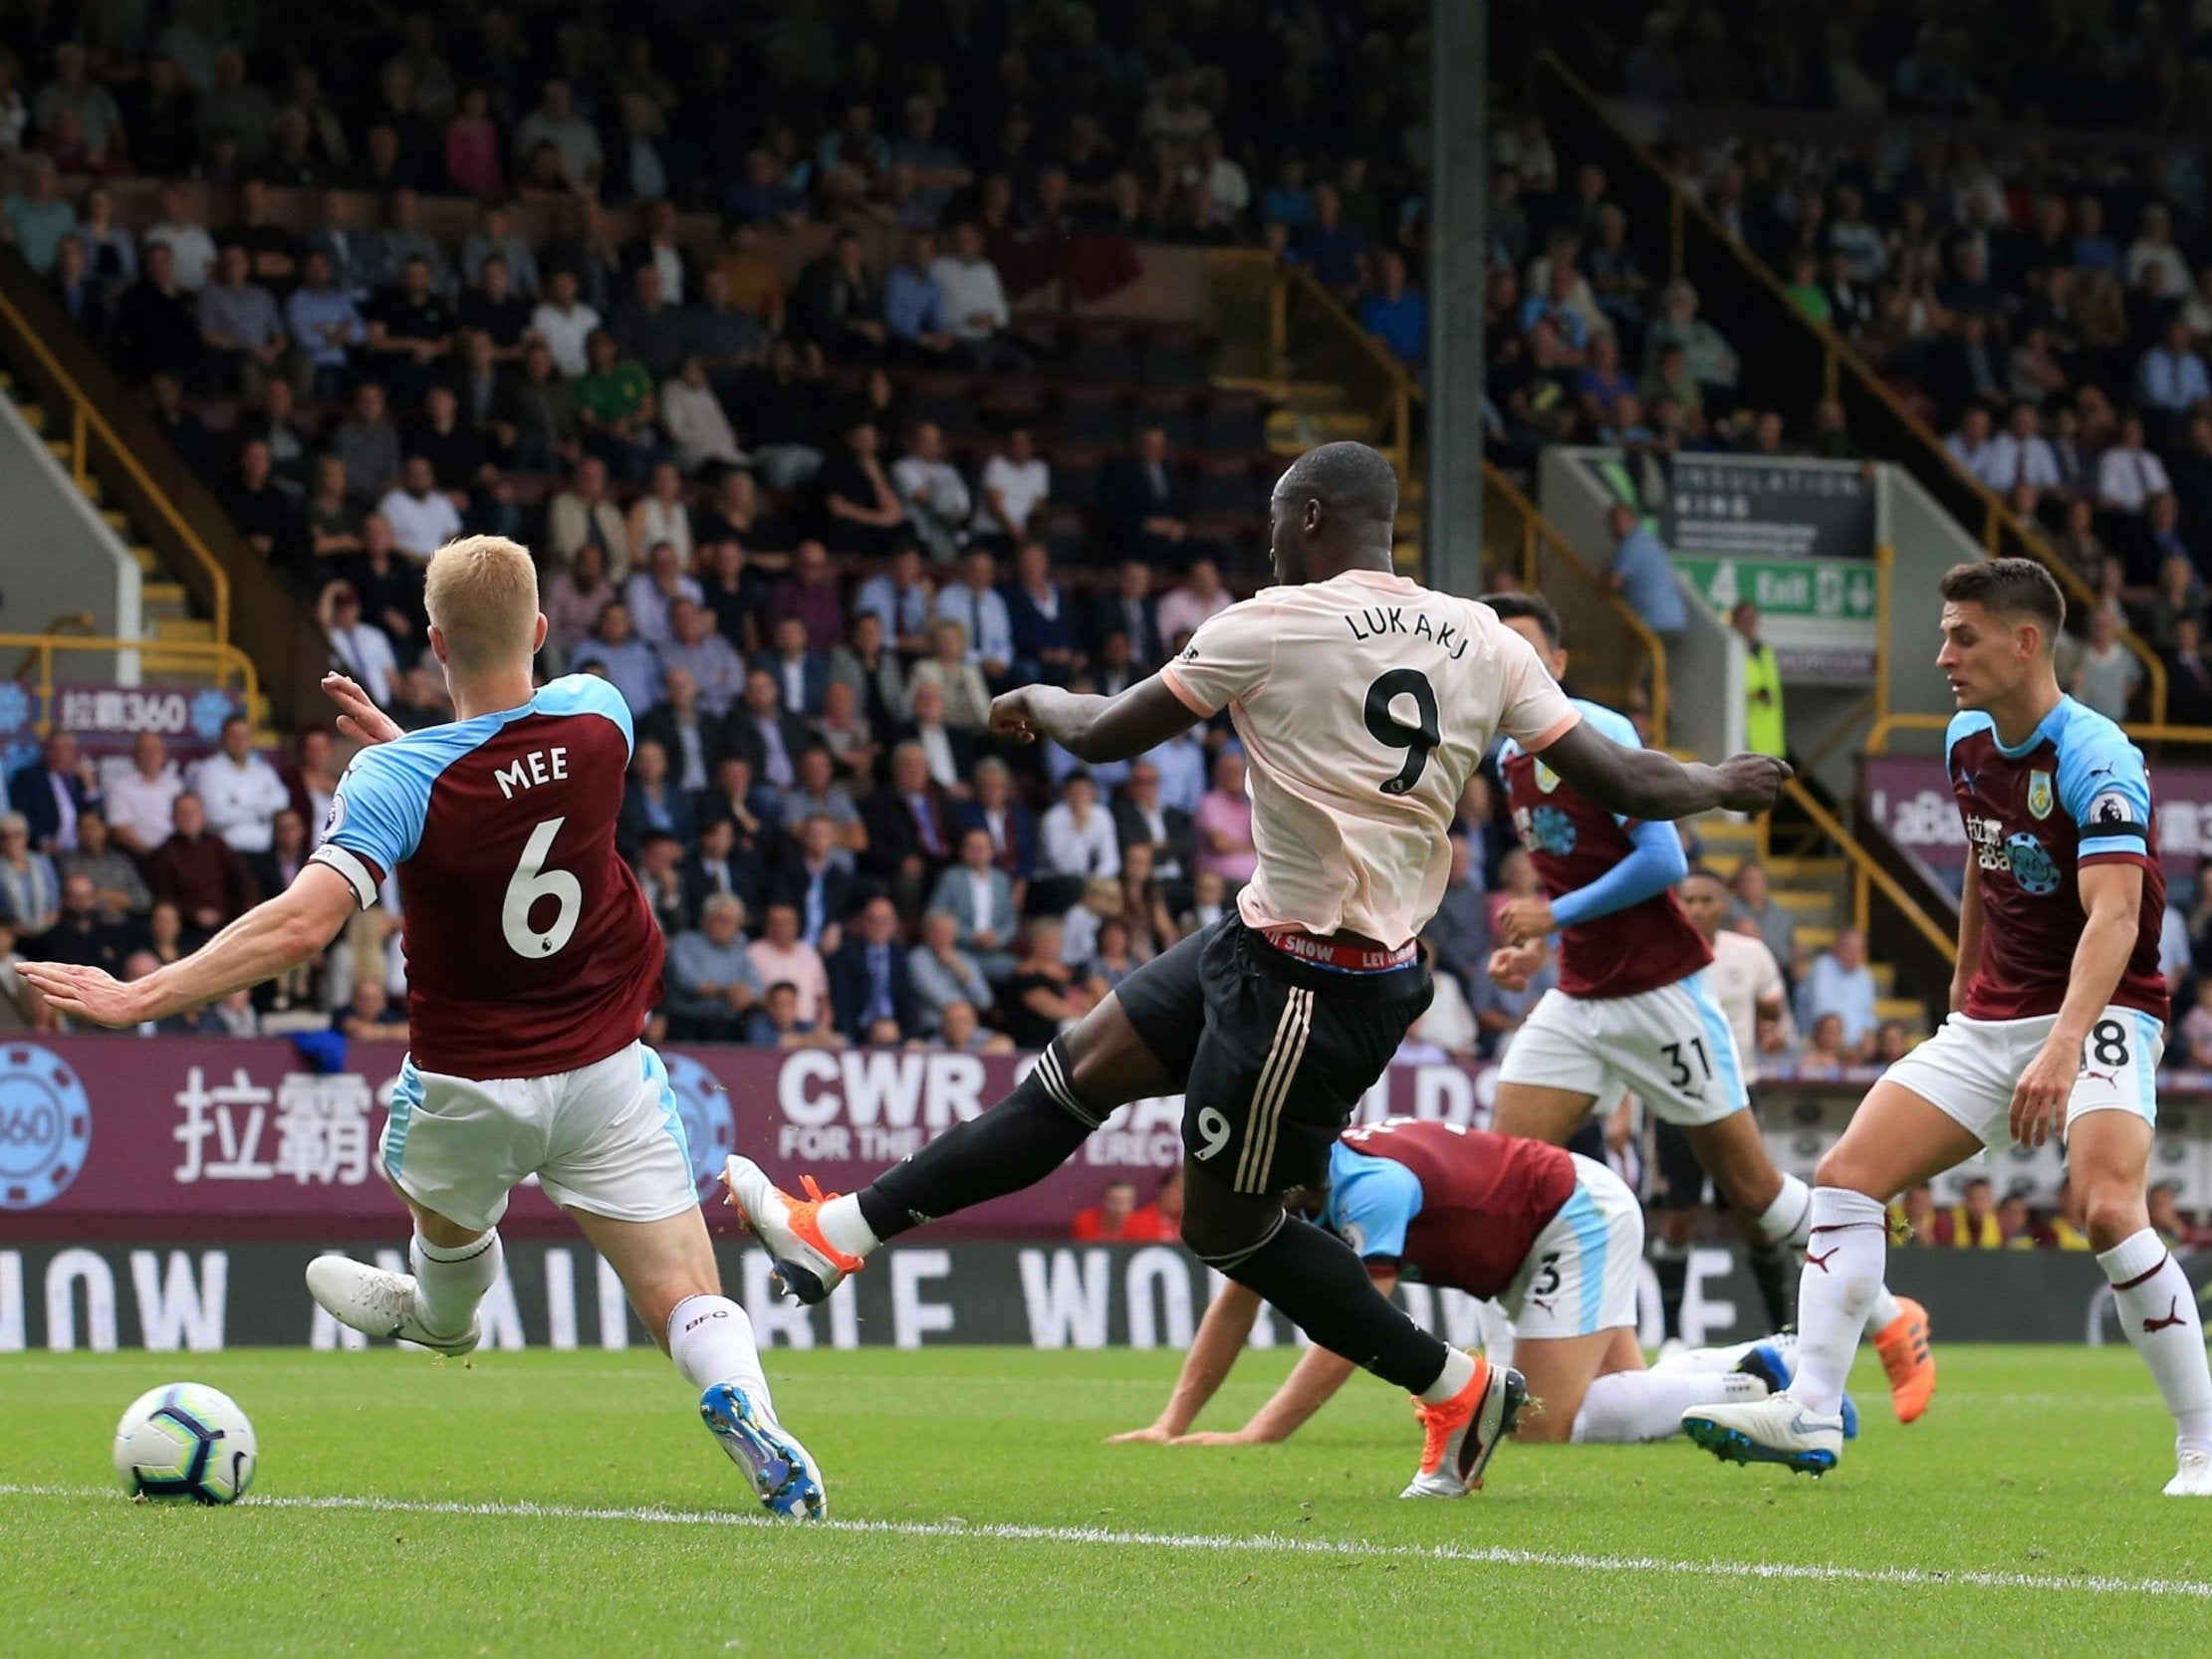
(268, 939)
(1312, 1381)
(1651, 784)
(1095, 729)
(1213, 1353)
(1654, 863)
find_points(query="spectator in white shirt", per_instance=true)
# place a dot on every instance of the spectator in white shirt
(362, 651)
(2153, 245)
(1075, 838)
(975, 308)
(2023, 457)
(142, 797)
(1972, 447)
(1015, 484)
(240, 791)
(191, 249)
(422, 516)
(933, 492)
(1201, 595)
(2127, 474)
(565, 322)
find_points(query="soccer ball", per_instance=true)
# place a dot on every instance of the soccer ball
(185, 1440)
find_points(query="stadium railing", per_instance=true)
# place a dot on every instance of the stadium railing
(223, 664)
(1790, 361)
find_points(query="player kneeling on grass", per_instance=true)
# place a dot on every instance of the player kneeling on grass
(532, 962)
(1553, 1236)
(2058, 1023)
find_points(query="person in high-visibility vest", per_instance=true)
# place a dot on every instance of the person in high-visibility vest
(1763, 723)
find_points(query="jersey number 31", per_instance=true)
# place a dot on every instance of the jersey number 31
(531, 882)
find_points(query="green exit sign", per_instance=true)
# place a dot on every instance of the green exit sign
(1821, 589)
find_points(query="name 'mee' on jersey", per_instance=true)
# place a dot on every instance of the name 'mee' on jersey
(2074, 795)
(1444, 1205)
(1365, 704)
(530, 946)
(1573, 841)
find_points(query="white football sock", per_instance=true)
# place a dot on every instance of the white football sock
(843, 1226)
(2158, 1311)
(1844, 1254)
(1706, 1361)
(711, 1340)
(448, 1283)
(1458, 1372)
(1882, 1311)
(1626, 1406)
(1787, 1218)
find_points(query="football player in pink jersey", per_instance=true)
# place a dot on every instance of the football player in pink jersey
(1364, 703)
(532, 962)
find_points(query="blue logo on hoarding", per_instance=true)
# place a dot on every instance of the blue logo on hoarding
(46, 1127)
(16, 708)
(709, 1124)
(209, 710)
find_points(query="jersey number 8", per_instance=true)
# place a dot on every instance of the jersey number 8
(1418, 741)
(533, 881)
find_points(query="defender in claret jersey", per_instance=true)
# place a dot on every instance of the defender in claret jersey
(532, 961)
(1552, 1236)
(2057, 1027)
(1633, 1011)
(1363, 702)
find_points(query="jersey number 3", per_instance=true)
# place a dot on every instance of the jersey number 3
(531, 882)
(1418, 741)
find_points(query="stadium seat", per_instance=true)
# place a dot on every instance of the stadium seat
(1103, 352)
(1092, 414)
(1226, 484)
(1076, 469)
(1233, 420)
(1174, 355)
(1169, 410)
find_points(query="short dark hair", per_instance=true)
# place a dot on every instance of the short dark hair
(1349, 479)
(1535, 607)
(2008, 588)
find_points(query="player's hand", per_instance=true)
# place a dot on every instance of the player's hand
(1751, 783)
(358, 716)
(1522, 919)
(1512, 966)
(2039, 1100)
(1012, 714)
(1154, 1434)
(87, 993)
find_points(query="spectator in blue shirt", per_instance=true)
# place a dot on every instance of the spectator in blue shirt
(626, 660)
(1840, 983)
(39, 216)
(1287, 202)
(1335, 252)
(1396, 315)
(913, 304)
(323, 318)
(2170, 377)
(1643, 575)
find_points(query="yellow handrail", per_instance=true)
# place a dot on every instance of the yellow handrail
(1540, 529)
(1997, 514)
(84, 418)
(223, 659)
(1868, 870)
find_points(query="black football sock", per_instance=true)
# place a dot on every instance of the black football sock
(1324, 1288)
(1775, 1267)
(1017, 1144)
(1670, 1265)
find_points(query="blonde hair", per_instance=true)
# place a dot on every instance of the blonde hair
(482, 594)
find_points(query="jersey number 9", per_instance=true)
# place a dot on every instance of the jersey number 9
(1418, 741)
(531, 882)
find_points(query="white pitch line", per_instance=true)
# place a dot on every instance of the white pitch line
(1262, 1543)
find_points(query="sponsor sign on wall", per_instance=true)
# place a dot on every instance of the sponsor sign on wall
(1910, 800)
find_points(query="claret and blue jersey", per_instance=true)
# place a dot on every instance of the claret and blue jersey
(530, 946)
(2074, 795)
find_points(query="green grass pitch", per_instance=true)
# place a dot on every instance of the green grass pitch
(541, 1502)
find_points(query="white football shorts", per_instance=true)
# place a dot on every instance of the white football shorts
(606, 1138)
(1969, 1069)
(1673, 1046)
(1579, 1277)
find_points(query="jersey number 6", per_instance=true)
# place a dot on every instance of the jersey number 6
(1387, 729)
(533, 881)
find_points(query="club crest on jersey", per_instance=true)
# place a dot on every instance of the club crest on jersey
(2112, 807)
(2040, 798)
(1545, 829)
(1546, 779)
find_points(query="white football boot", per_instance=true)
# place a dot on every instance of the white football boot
(807, 1264)
(2194, 1479)
(380, 1304)
(1773, 1430)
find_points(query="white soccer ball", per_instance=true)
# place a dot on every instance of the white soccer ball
(185, 1441)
